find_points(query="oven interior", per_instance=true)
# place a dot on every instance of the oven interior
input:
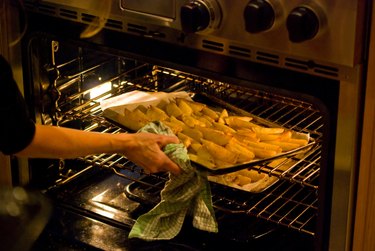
(68, 83)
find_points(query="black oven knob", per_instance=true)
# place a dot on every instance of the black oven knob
(259, 16)
(195, 17)
(302, 24)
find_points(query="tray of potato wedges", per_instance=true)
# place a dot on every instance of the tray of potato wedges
(219, 138)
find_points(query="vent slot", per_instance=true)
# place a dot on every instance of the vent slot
(69, 14)
(317, 68)
(328, 73)
(296, 66)
(114, 24)
(326, 70)
(47, 9)
(211, 45)
(267, 57)
(137, 28)
(239, 51)
(87, 17)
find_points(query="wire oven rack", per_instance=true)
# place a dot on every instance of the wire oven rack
(292, 202)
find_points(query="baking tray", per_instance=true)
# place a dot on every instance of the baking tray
(114, 114)
(252, 180)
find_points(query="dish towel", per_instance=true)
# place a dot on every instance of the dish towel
(185, 194)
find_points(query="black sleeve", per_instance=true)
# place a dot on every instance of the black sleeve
(17, 129)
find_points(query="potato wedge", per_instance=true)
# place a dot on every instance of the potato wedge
(262, 153)
(191, 121)
(267, 130)
(204, 120)
(265, 146)
(176, 121)
(173, 110)
(285, 146)
(284, 136)
(134, 120)
(220, 153)
(236, 123)
(184, 107)
(193, 133)
(247, 132)
(300, 142)
(186, 140)
(210, 113)
(215, 136)
(244, 118)
(242, 180)
(194, 147)
(252, 174)
(258, 151)
(204, 154)
(154, 113)
(203, 162)
(196, 106)
(223, 128)
(224, 114)
(268, 137)
(244, 154)
(246, 135)
(176, 128)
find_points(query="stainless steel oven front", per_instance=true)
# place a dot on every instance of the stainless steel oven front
(296, 63)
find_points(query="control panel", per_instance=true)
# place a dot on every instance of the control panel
(309, 31)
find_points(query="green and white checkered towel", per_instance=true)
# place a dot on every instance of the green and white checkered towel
(188, 193)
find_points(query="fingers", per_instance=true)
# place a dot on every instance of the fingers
(149, 155)
(172, 167)
(165, 140)
(164, 163)
(169, 164)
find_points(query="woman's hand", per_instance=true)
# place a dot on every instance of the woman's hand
(145, 150)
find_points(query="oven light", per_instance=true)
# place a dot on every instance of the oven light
(99, 90)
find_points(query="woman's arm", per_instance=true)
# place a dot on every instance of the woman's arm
(144, 149)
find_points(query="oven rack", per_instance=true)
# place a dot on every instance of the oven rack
(283, 204)
(286, 112)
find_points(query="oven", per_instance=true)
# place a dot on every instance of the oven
(298, 64)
